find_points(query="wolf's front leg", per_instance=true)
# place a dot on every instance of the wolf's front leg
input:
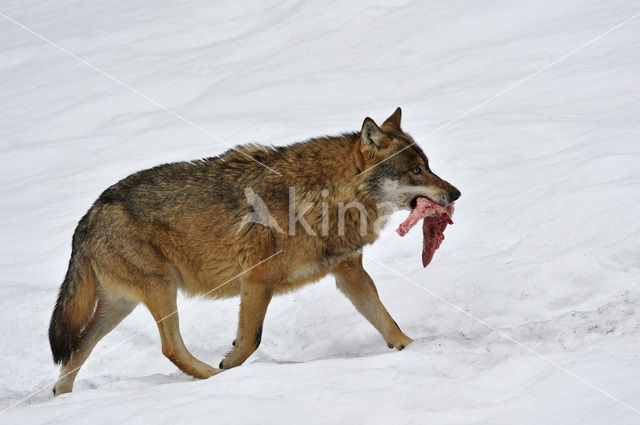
(353, 280)
(254, 300)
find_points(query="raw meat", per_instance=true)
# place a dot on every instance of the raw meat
(436, 218)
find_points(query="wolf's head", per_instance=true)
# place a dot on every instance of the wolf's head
(396, 170)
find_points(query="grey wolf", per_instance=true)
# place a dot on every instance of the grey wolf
(183, 227)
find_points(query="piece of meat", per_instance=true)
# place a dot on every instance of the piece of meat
(435, 221)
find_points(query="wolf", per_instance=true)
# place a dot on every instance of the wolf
(183, 227)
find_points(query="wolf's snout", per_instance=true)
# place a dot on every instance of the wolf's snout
(453, 194)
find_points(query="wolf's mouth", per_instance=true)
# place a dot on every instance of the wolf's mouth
(414, 202)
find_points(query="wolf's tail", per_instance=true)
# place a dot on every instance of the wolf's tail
(76, 300)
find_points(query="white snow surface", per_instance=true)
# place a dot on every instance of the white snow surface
(528, 313)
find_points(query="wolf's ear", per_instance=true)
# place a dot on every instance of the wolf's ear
(370, 134)
(394, 120)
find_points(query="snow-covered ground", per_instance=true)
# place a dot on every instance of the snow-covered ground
(528, 313)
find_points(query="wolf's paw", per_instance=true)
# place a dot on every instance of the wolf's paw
(227, 363)
(208, 372)
(400, 343)
(232, 359)
(60, 388)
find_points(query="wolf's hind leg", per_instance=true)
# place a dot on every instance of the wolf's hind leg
(162, 305)
(254, 300)
(353, 280)
(109, 312)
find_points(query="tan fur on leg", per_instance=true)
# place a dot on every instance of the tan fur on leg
(357, 285)
(255, 298)
(164, 310)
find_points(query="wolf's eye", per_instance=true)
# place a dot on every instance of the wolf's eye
(416, 170)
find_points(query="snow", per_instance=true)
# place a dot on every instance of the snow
(528, 313)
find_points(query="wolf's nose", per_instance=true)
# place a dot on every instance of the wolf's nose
(454, 194)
